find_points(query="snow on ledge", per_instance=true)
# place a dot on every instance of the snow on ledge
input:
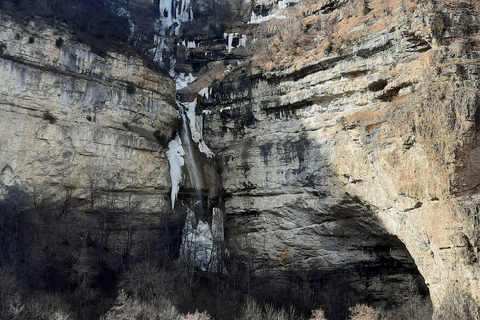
(181, 81)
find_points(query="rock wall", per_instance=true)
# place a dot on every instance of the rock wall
(349, 171)
(330, 163)
(81, 126)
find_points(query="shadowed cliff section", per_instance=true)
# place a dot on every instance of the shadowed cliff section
(57, 260)
(317, 255)
(106, 25)
(367, 108)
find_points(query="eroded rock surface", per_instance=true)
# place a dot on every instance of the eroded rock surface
(347, 176)
(73, 122)
(326, 162)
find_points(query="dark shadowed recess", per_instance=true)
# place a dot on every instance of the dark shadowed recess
(78, 256)
(83, 256)
(380, 271)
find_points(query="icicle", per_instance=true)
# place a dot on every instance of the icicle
(175, 154)
(243, 41)
(201, 243)
(181, 81)
(197, 242)
(165, 7)
(196, 128)
(204, 92)
(230, 40)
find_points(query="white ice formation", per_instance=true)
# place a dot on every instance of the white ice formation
(182, 80)
(196, 127)
(230, 36)
(275, 14)
(175, 154)
(201, 244)
(175, 11)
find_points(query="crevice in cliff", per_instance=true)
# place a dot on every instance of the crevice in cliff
(56, 70)
(392, 93)
(324, 64)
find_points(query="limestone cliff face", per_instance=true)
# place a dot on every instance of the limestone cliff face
(78, 126)
(348, 164)
(328, 161)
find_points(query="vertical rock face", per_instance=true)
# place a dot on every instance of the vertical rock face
(349, 170)
(331, 163)
(79, 125)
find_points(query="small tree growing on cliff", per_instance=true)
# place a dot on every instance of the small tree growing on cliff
(415, 307)
(366, 8)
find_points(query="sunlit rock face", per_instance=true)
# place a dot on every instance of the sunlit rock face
(347, 177)
(332, 164)
(73, 120)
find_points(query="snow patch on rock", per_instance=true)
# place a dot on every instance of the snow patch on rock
(182, 80)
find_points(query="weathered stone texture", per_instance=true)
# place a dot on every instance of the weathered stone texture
(73, 119)
(356, 148)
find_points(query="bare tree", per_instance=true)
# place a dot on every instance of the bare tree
(67, 200)
(92, 173)
(363, 312)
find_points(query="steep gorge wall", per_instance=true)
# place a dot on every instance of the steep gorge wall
(81, 126)
(344, 173)
(325, 163)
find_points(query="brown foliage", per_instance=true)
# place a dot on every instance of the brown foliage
(196, 316)
(363, 312)
(460, 6)
(318, 315)
(279, 39)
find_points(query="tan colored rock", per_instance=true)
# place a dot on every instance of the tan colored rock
(71, 119)
(380, 139)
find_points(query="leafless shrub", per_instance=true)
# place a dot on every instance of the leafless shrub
(8, 288)
(252, 310)
(127, 308)
(363, 312)
(48, 306)
(60, 315)
(279, 39)
(415, 307)
(275, 314)
(145, 281)
(318, 314)
(42, 307)
(285, 41)
(457, 305)
(196, 316)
